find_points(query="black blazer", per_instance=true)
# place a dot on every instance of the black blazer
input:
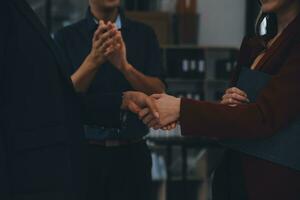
(41, 148)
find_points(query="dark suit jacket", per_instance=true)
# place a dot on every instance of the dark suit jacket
(276, 106)
(41, 149)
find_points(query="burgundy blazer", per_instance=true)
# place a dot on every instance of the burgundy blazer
(277, 105)
(275, 108)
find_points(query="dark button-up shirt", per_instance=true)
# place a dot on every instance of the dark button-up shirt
(143, 53)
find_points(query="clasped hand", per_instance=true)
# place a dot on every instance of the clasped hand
(156, 111)
(159, 111)
(162, 111)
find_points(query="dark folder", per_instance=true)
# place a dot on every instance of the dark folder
(283, 148)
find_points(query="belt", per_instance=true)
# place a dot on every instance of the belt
(101, 133)
(113, 143)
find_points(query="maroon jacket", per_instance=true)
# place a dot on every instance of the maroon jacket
(276, 106)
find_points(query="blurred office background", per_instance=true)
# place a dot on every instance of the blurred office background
(199, 43)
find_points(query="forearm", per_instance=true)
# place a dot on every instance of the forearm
(140, 82)
(200, 118)
(83, 77)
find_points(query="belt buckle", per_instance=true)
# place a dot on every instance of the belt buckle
(112, 143)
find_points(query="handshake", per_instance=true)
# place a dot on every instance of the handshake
(159, 111)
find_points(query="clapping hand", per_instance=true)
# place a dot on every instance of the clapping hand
(108, 45)
(118, 57)
(104, 42)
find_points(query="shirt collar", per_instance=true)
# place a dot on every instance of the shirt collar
(93, 23)
(118, 22)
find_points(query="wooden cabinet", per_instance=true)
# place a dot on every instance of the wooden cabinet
(159, 21)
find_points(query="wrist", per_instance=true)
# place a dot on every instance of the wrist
(94, 61)
(126, 68)
(178, 107)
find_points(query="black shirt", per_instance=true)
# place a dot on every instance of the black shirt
(143, 52)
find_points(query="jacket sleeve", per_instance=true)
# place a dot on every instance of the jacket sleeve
(4, 32)
(277, 105)
(4, 36)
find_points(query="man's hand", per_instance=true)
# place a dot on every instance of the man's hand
(136, 101)
(170, 126)
(152, 122)
(119, 56)
(169, 112)
(103, 43)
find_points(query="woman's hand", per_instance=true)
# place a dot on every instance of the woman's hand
(136, 101)
(169, 112)
(234, 96)
(151, 121)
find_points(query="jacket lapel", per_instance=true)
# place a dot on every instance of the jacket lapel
(29, 14)
(286, 37)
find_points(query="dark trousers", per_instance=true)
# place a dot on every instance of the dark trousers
(119, 173)
(229, 183)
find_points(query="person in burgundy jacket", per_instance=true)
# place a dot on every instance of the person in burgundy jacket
(278, 53)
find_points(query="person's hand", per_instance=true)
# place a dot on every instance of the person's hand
(137, 101)
(170, 126)
(118, 57)
(169, 112)
(152, 121)
(234, 96)
(103, 43)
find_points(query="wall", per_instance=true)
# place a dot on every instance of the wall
(216, 23)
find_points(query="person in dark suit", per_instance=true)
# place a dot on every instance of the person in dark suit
(119, 160)
(41, 134)
(277, 54)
